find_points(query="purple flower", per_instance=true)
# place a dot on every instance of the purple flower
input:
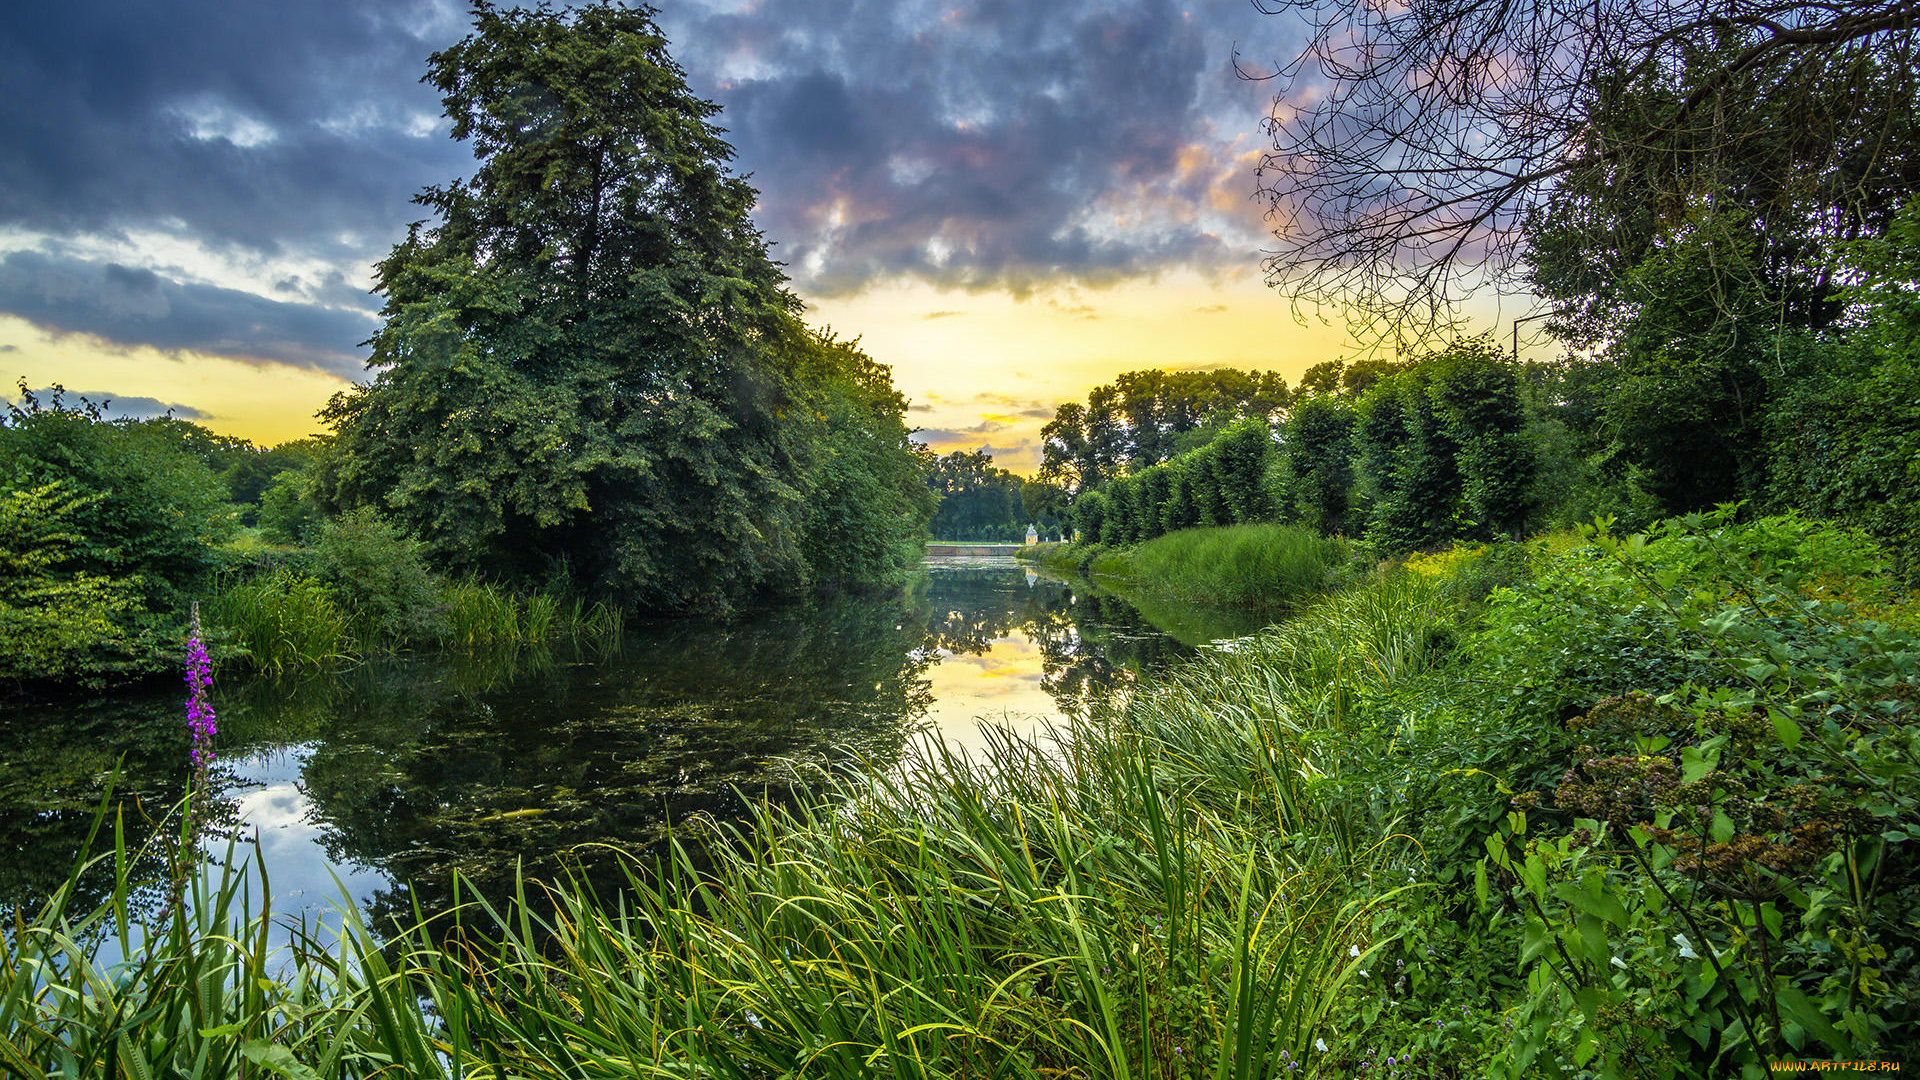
(199, 711)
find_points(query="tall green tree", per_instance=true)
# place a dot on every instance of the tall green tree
(1317, 463)
(588, 358)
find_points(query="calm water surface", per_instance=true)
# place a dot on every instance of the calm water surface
(385, 778)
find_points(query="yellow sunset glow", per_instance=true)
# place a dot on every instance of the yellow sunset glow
(267, 403)
(982, 369)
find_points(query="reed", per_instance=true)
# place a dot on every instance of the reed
(282, 621)
(482, 615)
(1261, 565)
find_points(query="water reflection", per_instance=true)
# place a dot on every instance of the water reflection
(394, 775)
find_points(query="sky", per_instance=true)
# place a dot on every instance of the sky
(1008, 201)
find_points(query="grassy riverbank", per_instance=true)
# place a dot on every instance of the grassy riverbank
(1261, 565)
(1575, 807)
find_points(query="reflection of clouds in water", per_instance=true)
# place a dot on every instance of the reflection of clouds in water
(270, 806)
(1002, 686)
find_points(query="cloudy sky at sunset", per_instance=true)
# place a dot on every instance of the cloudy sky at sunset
(1009, 201)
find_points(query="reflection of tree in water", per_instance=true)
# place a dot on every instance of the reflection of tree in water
(1090, 643)
(420, 779)
(1094, 644)
(56, 759)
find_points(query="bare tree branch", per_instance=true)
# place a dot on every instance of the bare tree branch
(1413, 139)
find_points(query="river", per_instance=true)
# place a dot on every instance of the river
(382, 779)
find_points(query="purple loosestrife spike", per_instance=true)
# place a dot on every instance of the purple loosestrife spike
(199, 710)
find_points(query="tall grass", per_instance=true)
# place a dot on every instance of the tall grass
(482, 615)
(282, 621)
(1263, 565)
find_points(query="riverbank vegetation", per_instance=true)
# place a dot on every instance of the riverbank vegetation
(1669, 773)
(1265, 566)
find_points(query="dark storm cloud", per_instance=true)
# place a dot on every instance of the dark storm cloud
(128, 406)
(980, 143)
(966, 143)
(131, 307)
(261, 127)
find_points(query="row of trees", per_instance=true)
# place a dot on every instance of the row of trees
(1221, 483)
(1143, 418)
(1465, 443)
(1408, 454)
(981, 502)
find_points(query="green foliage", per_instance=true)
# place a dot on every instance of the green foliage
(1265, 565)
(1740, 841)
(1478, 394)
(147, 514)
(1845, 439)
(1316, 464)
(380, 578)
(55, 622)
(1221, 482)
(1090, 513)
(1144, 418)
(1407, 465)
(867, 502)
(590, 359)
(976, 500)
(1442, 449)
(1045, 505)
(281, 621)
(290, 511)
(131, 532)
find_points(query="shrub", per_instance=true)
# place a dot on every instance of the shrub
(381, 578)
(55, 622)
(152, 514)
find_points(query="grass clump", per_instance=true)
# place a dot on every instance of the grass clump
(282, 621)
(1260, 565)
(1266, 566)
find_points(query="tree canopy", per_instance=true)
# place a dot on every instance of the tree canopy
(1144, 418)
(589, 363)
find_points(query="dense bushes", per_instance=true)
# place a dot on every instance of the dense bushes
(1845, 436)
(1222, 483)
(109, 527)
(1669, 773)
(1411, 456)
(55, 619)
